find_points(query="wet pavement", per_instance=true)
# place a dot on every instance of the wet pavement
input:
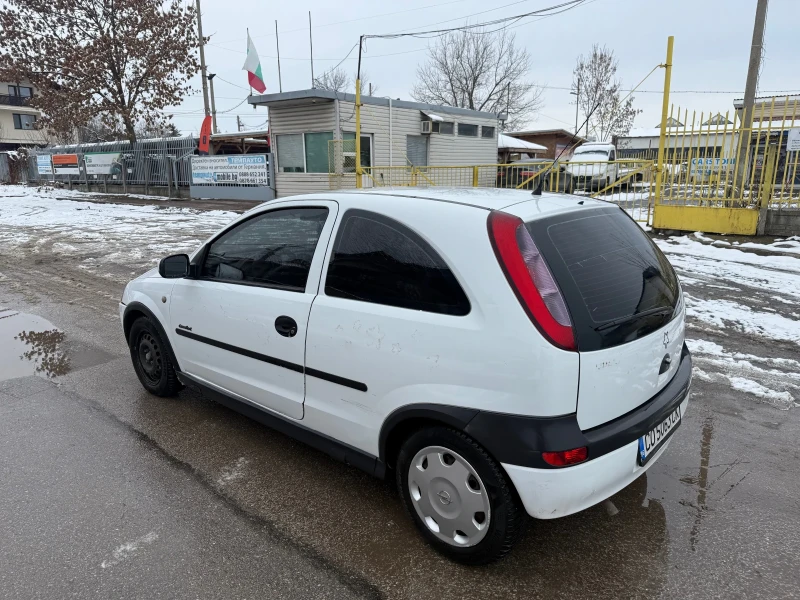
(111, 492)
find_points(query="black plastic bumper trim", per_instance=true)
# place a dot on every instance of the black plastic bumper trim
(520, 440)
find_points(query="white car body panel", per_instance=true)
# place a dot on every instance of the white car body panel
(491, 359)
(615, 381)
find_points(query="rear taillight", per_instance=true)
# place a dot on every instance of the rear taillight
(530, 278)
(566, 458)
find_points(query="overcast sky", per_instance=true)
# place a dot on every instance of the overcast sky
(712, 45)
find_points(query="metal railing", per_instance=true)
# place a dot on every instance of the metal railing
(14, 100)
(714, 160)
(624, 182)
(151, 163)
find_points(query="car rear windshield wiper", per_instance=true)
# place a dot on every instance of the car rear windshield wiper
(644, 313)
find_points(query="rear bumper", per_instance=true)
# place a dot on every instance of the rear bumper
(518, 442)
(553, 493)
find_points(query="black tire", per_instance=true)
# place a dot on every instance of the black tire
(508, 517)
(151, 359)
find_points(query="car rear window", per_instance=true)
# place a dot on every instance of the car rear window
(618, 285)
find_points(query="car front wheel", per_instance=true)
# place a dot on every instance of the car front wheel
(458, 496)
(151, 359)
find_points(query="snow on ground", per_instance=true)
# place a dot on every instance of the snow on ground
(748, 300)
(95, 234)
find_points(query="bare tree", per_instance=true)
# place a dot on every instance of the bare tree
(482, 71)
(599, 94)
(338, 80)
(121, 61)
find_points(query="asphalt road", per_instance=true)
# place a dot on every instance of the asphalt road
(110, 492)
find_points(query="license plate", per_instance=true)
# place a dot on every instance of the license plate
(650, 442)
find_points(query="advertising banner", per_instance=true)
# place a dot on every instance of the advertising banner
(102, 163)
(44, 166)
(66, 164)
(235, 169)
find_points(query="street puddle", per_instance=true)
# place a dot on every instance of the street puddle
(31, 345)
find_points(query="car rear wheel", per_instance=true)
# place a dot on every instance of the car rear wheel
(458, 496)
(151, 359)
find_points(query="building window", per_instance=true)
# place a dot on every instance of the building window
(317, 151)
(20, 91)
(303, 152)
(24, 121)
(487, 132)
(444, 127)
(468, 129)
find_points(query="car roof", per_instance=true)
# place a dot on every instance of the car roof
(484, 198)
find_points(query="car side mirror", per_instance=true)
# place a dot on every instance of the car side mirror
(174, 267)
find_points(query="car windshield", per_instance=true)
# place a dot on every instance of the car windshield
(590, 155)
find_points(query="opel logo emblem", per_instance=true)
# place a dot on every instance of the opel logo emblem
(444, 497)
(666, 339)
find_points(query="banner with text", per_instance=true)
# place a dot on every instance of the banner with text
(44, 166)
(66, 164)
(102, 163)
(235, 169)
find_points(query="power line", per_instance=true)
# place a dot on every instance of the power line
(267, 35)
(549, 11)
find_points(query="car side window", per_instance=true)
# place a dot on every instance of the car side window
(273, 249)
(377, 259)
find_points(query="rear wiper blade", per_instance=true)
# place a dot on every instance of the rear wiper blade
(644, 313)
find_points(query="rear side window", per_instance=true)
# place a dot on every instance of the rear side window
(377, 259)
(273, 249)
(618, 285)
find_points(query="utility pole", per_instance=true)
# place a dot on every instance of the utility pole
(278, 47)
(746, 121)
(213, 104)
(202, 57)
(577, 94)
(662, 138)
(311, 44)
(238, 123)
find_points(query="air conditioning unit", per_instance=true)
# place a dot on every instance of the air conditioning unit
(426, 126)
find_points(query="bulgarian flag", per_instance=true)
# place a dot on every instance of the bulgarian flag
(253, 67)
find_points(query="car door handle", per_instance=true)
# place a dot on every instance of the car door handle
(286, 326)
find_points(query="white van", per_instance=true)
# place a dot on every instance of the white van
(593, 166)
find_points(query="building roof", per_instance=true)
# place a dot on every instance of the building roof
(314, 94)
(763, 100)
(238, 135)
(512, 144)
(547, 132)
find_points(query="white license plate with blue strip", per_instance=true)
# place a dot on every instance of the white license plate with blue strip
(652, 441)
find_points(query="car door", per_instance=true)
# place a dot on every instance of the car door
(240, 325)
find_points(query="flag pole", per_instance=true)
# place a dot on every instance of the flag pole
(278, 48)
(311, 45)
(248, 76)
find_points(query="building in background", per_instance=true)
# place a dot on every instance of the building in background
(511, 149)
(18, 121)
(395, 134)
(555, 140)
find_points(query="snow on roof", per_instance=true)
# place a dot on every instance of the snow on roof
(506, 142)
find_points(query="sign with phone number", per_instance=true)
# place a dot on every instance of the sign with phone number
(233, 169)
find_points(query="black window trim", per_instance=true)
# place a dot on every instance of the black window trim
(200, 259)
(391, 222)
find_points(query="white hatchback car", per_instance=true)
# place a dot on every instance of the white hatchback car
(496, 352)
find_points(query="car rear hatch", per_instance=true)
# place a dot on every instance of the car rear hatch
(625, 305)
